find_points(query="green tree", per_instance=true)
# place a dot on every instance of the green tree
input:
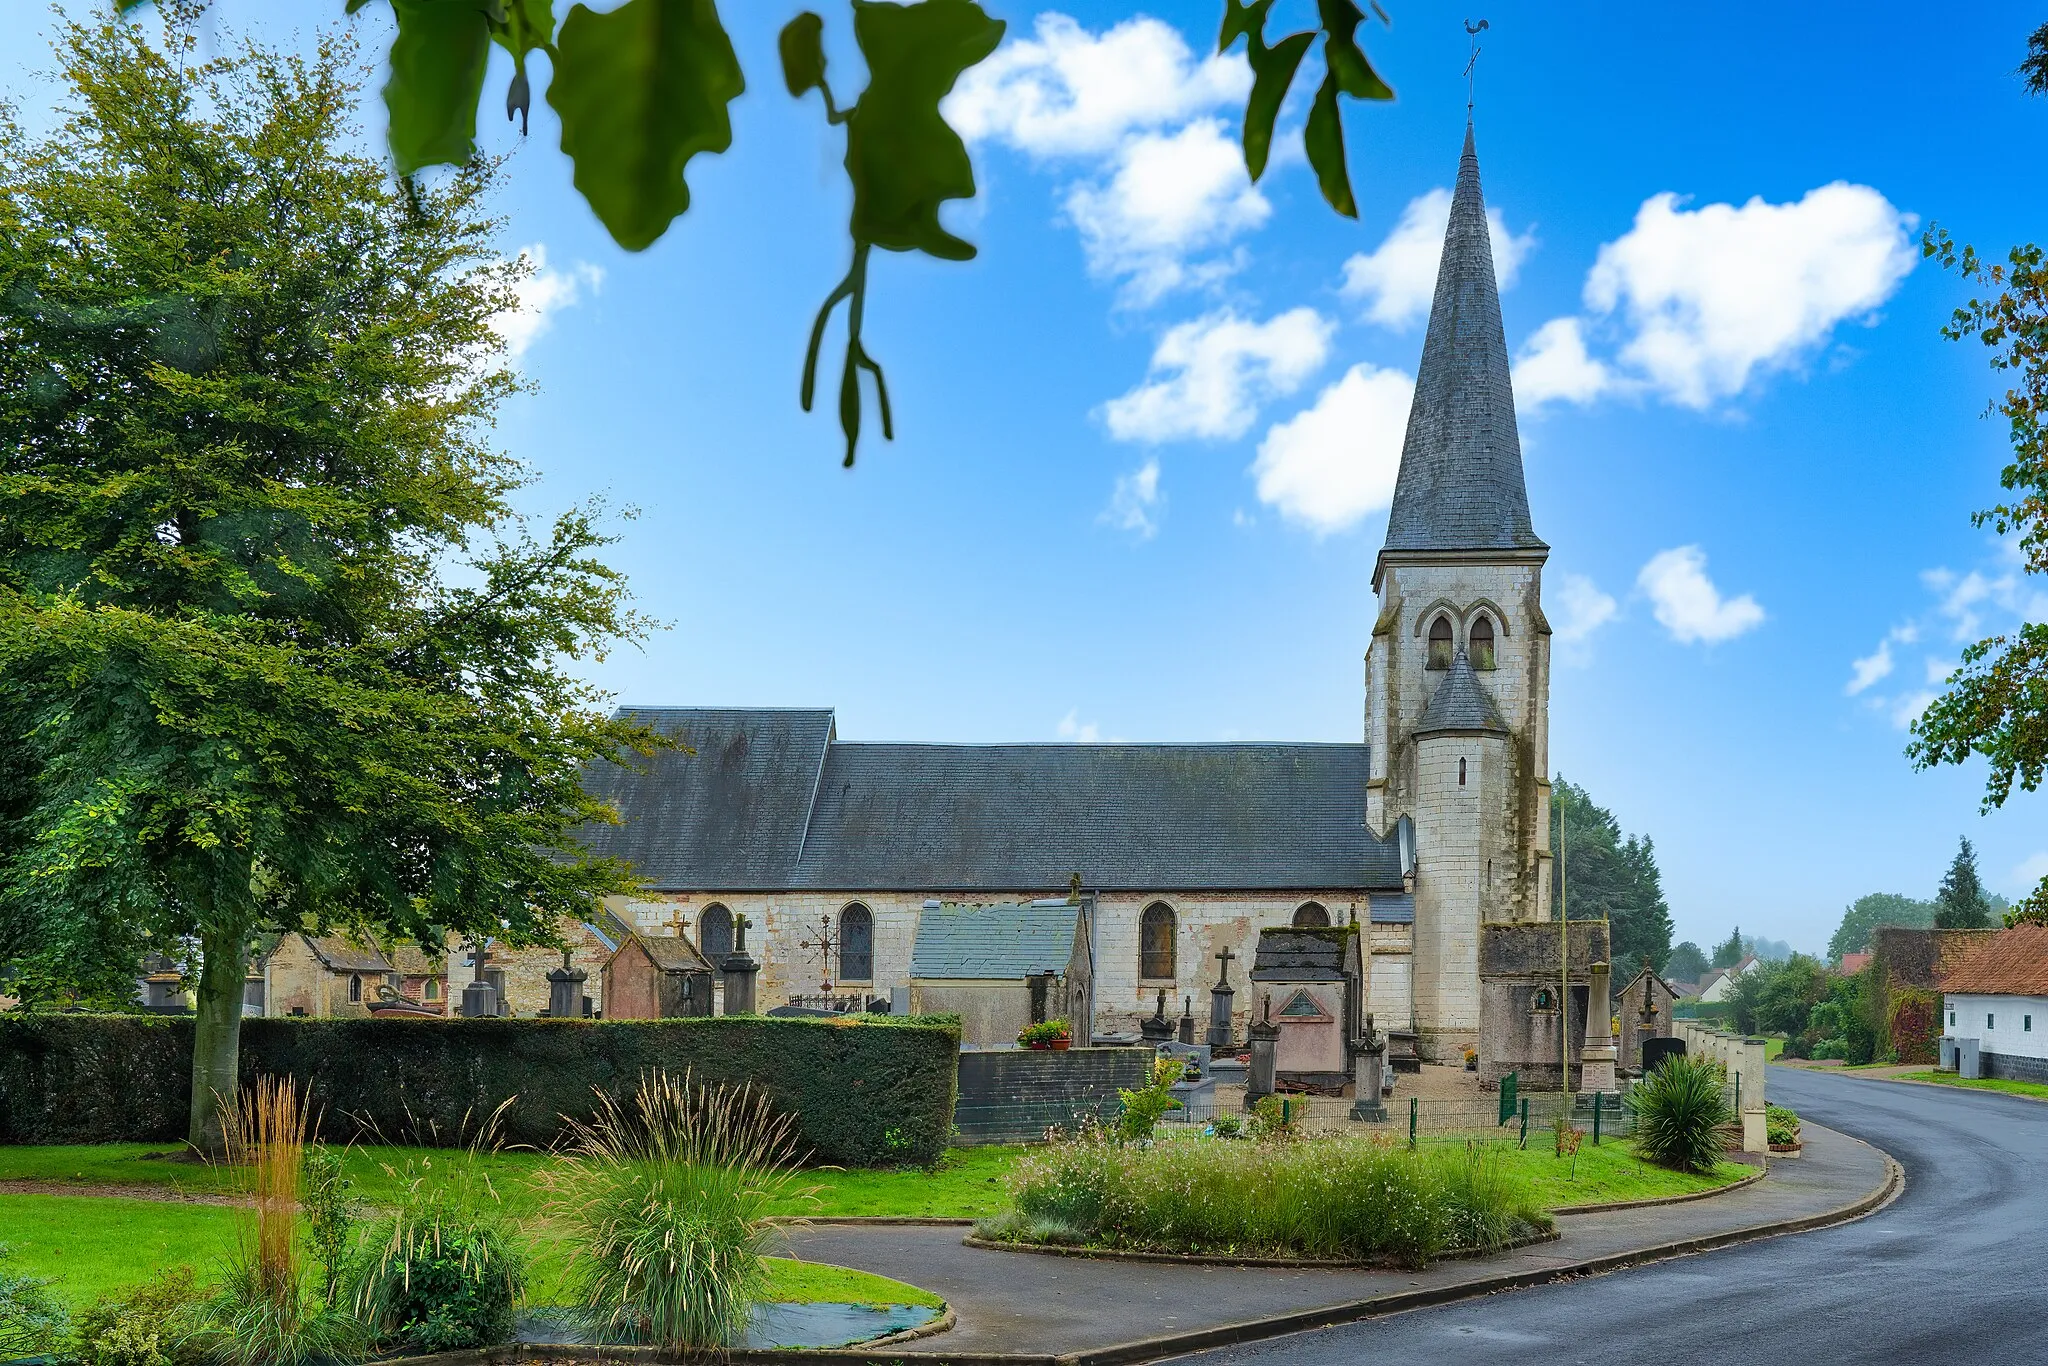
(1786, 994)
(1686, 963)
(1960, 904)
(1603, 875)
(1728, 953)
(1868, 913)
(274, 653)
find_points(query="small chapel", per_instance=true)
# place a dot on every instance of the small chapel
(1428, 838)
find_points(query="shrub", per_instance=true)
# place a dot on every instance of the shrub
(32, 1322)
(1143, 1109)
(331, 1214)
(152, 1325)
(1781, 1126)
(1831, 1050)
(1335, 1198)
(440, 1274)
(1679, 1110)
(1275, 1117)
(667, 1199)
(865, 1090)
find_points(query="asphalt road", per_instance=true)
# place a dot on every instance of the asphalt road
(1953, 1272)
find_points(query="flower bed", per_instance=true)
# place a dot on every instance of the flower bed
(1335, 1199)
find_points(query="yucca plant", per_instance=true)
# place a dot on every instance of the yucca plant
(1679, 1110)
(262, 1314)
(666, 1200)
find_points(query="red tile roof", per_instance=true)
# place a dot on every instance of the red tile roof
(1853, 963)
(2011, 962)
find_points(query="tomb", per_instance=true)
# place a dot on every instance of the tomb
(1313, 978)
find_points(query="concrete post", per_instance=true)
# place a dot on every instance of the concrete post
(1265, 1040)
(1755, 1133)
(1597, 1074)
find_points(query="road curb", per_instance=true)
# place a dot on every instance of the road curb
(1111, 1254)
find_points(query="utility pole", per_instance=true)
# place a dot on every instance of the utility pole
(1564, 967)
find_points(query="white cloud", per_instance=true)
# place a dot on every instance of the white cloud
(1136, 502)
(1712, 295)
(1335, 461)
(1157, 178)
(1072, 727)
(1555, 364)
(1168, 196)
(1686, 602)
(1906, 709)
(542, 294)
(1395, 281)
(1066, 91)
(2027, 875)
(1208, 376)
(1871, 668)
(1582, 609)
(1938, 670)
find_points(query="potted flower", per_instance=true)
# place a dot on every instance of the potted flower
(1051, 1035)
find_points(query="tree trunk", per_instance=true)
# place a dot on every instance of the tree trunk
(216, 1035)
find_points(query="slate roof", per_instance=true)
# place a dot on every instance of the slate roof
(1304, 955)
(1460, 703)
(673, 953)
(339, 955)
(772, 802)
(1392, 908)
(1460, 486)
(1001, 942)
(2011, 962)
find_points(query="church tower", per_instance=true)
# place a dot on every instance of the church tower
(1457, 678)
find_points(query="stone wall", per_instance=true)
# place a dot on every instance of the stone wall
(1012, 1096)
(1205, 922)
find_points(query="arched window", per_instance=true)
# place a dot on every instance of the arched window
(355, 988)
(714, 934)
(1440, 643)
(1155, 943)
(1311, 915)
(1480, 649)
(1461, 770)
(432, 990)
(856, 944)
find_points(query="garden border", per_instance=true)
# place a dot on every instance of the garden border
(1759, 1174)
(1107, 1254)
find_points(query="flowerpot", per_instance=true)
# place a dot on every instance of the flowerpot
(1038, 1047)
(1061, 1045)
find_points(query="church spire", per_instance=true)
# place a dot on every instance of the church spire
(1460, 485)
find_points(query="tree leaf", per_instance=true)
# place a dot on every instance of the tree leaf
(1242, 20)
(1324, 140)
(437, 76)
(803, 53)
(1273, 71)
(902, 157)
(1346, 60)
(640, 91)
(529, 25)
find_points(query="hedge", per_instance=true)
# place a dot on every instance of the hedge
(865, 1091)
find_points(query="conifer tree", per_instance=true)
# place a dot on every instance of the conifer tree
(1961, 903)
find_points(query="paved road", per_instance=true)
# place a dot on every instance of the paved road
(1951, 1273)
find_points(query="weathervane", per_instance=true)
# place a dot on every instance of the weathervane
(1472, 31)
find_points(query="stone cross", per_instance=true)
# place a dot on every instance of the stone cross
(1224, 958)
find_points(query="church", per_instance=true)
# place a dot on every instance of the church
(1431, 834)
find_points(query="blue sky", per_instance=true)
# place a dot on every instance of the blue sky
(1145, 440)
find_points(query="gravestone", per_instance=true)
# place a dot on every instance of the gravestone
(739, 969)
(1264, 1036)
(1655, 1051)
(565, 990)
(1368, 1102)
(1157, 1029)
(1222, 997)
(1187, 1020)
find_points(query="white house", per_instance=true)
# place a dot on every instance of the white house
(1998, 997)
(1720, 984)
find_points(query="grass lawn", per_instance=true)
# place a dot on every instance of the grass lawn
(1773, 1046)
(2010, 1088)
(966, 1184)
(1605, 1175)
(96, 1244)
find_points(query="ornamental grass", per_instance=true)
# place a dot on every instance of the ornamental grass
(667, 1199)
(1680, 1109)
(1338, 1199)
